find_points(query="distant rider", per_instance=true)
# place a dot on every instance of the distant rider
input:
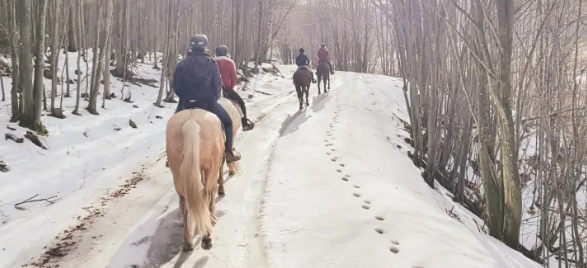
(303, 61)
(323, 56)
(229, 80)
(196, 82)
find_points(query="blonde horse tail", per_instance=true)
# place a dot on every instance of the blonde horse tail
(196, 209)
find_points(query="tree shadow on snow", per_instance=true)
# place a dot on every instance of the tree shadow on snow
(293, 122)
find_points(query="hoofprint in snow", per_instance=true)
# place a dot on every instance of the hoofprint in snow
(91, 162)
(328, 186)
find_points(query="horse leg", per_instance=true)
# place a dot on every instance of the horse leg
(307, 91)
(210, 188)
(325, 79)
(188, 233)
(319, 80)
(231, 166)
(221, 191)
(300, 95)
(328, 82)
(231, 169)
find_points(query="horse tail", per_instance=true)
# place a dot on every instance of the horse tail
(196, 211)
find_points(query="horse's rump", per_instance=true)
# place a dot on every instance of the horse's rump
(234, 103)
(304, 68)
(323, 69)
(303, 76)
(208, 123)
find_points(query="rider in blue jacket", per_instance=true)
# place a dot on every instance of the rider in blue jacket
(196, 82)
(303, 61)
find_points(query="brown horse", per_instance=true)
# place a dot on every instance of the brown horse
(323, 73)
(195, 151)
(302, 80)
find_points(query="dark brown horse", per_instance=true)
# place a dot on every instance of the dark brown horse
(302, 80)
(323, 73)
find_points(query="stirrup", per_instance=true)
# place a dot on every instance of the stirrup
(250, 125)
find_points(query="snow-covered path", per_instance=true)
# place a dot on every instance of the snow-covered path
(329, 186)
(343, 193)
(144, 226)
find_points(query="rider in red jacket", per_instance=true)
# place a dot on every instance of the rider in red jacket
(229, 79)
(323, 55)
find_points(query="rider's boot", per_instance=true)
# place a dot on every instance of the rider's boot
(247, 124)
(314, 80)
(232, 156)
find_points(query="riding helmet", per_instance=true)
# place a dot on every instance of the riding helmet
(301, 50)
(199, 42)
(221, 50)
(323, 45)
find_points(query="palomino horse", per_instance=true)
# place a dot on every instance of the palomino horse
(323, 73)
(195, 151)
(236, 114)
(302, 80)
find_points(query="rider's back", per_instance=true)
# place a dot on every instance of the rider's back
(302, 60)
(193, 79)
(227, 70)
(323, 54)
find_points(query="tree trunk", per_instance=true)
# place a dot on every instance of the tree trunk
(25, 63)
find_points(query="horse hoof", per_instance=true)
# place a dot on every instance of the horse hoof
(188, 246)
(231, 173)
(221, 193)
(206, 243)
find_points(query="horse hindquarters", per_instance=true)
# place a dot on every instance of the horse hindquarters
(195, 210)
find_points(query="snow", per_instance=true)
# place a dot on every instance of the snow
(342, 193)
(328, 186)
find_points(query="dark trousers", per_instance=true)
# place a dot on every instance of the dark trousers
(219, 111)
(229, 93)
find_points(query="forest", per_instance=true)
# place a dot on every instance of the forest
(496, 89)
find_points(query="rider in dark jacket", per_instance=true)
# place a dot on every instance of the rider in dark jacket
(196, 82)
(303, 61)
